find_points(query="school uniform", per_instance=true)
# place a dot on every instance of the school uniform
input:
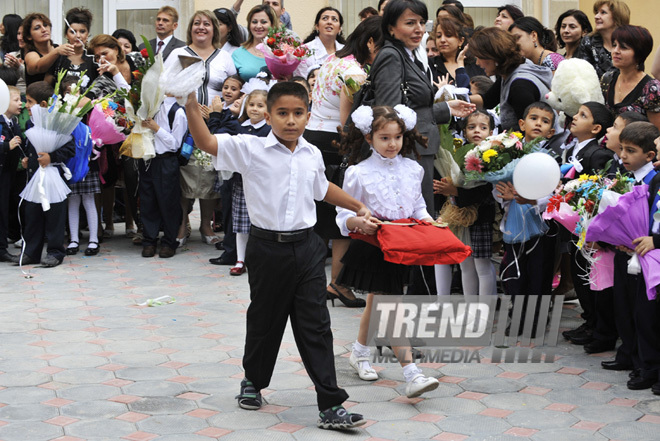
(159, 189)
(591, 158)
(285, 258)
(8, 163)
(52, 223)
(632, 309)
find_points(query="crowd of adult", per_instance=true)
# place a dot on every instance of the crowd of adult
(513, 60)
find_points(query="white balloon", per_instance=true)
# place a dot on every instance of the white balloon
(536, 175)
(4, 97)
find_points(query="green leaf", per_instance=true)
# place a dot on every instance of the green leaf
(150, 50)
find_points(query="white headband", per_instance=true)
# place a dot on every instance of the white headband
(363, 117)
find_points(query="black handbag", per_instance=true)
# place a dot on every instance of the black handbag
(335, 173)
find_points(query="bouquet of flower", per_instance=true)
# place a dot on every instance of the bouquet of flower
(52, 129)
(145, 95)
(496, 157)
(283, 51)
(103, 125)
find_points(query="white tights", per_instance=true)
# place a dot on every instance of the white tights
(477, 276)
(74, 217)
(241, 245)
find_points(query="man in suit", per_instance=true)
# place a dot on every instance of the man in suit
(167, 20)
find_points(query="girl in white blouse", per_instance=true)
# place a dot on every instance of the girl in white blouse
(390, 185)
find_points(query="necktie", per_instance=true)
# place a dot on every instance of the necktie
(160, 46)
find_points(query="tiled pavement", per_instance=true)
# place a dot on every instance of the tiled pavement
(80, 361)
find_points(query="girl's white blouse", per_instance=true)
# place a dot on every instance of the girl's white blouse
(390, 188)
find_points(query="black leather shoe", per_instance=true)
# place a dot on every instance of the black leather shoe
(598, 346)
(148, 251)
(219, 246)
(222, 261)
(635, 373)
(580, 329)
(613, 365)
(50, 261)
(656, 388)
(92, 251)
(166, 252)
(6, 257)
(27, 260)
(582, 338)
(639, 383)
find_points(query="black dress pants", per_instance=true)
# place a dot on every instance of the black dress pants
(39, 223)
(160, 200)
(287, 280)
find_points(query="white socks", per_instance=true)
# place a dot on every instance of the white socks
(410, 371)
(241, 246)
(442, 279)
(361, 350)
(74, 218)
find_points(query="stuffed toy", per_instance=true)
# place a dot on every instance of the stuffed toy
(575, 82)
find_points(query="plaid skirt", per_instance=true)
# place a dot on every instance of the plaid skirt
(89, 185)
(239, 211)
(481, 236)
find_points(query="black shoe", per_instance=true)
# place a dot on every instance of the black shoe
(219, 246)
(656, 388)
(613, 365)
(222, 261)
(598, 346)
(72, 250)
(50, 261)
(166, 252)
(27, 260)
(635, 373)
(249, 398)
(639, 383)
(338, 418)
(92, 251)
(148, 251)
(582, 338)
(580, 329)
(349, 303)
(6, 257)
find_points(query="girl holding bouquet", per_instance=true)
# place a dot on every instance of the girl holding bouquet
(249, 60)
(390, 185)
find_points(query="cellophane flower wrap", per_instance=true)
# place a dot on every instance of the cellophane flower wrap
(102, 122)
(182, 77)
(142, 101)
(283, 52)
(625, 221)
(495, 158)
(52, 129)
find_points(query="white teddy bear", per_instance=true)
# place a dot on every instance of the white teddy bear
(575, 82)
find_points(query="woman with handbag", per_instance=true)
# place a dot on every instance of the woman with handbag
(337, 80)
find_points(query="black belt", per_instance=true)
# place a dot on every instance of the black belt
(167, 154)
(280, 236)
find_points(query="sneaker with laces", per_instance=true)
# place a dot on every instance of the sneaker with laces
(249, 398)
(338, 418)
(421, 384)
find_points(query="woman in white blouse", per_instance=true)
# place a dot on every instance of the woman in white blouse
(325, 39)
(198, 177)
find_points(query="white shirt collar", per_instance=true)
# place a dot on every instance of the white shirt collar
(410, 54)
(165, 41)
(641, 172)
(581, 145)
(272, 141)
(258, 125)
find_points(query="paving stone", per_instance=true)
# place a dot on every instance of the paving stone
(75, 348)
(21, 364)
(33, 431)
(89, 430)
(145, 374)
(130, 346)
(183, 437)
(25, 395)
(154, 389)
(606, 413)
(148, 359)
(637, 431)
(209, 370)
(89, 392)
(83, 376)
(405, 429)
(567, 434)
(553, 381)
(24, 378)
(78, 361)
(370, 393)
(168, 424)
(502, 437)
(125, 333)
(259, 435)
(94, 410)
(292, 397)
(243, 420)
(580, 397)
(473, 425)
(649, 406)
(28, 412)
(491, 385)
(205, 356)
(541, 419)
(18, 351)
(17, 338)
(65, 325)
(383, 411)
(300, 415)
(162, 405)
(449, 406)
(529, 368)
(471, 370)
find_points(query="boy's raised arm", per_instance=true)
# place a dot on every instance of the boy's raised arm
(204, 140)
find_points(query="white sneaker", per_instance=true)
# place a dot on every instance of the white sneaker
(421, 384)
(368, 374)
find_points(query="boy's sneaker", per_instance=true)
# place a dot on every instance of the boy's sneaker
(338, 418)
(249, 398)
(421, 384)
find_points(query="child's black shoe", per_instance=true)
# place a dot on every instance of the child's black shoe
(338, 418)
(249, 398)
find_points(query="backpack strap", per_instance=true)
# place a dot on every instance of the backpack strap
(172, 114)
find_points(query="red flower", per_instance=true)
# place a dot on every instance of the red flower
(589, 206)
(144, 53)
(569, 196)
(137, 74)
(299, 52)
(270, 42)
(121, 109)
(278, 52)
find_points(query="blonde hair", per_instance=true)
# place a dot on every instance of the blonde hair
(259, 92)
(171, 12)
(14, 89)
(619, 9)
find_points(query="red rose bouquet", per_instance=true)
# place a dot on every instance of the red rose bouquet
(283, 51)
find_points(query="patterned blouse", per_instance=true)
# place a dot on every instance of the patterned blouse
(336, 76)
(644, 98)
(591, 49)
(552, 61)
